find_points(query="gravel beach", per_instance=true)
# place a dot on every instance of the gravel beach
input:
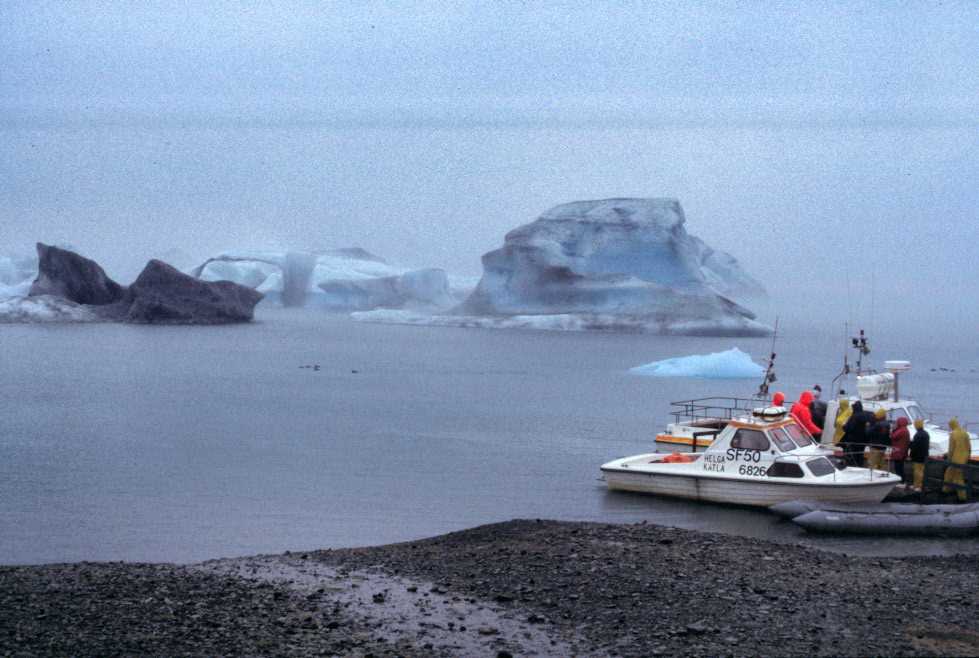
(517, 588)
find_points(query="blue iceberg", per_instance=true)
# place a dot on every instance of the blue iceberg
(731, 364)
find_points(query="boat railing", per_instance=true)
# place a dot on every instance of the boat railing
(714, 408)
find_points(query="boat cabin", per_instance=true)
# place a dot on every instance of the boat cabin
(769, 443)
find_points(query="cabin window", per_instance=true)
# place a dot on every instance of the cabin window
(750, 440)
(785, 470)
(798, 435)
(912, 413)
(782, 440)
(820, 467)
(894, 414)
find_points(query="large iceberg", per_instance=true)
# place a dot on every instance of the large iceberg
(614, 264)
(730, 364)
(350, 279)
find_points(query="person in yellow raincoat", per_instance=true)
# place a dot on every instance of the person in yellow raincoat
(958, 455)
(842, 416)
(879, 440)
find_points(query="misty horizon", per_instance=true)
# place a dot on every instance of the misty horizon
(830, 148)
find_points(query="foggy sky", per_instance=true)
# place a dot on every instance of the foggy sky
(829, 146)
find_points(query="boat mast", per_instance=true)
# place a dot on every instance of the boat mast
(863, 349)
(770, 370)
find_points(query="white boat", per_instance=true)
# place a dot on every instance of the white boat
(696, 422)
(881, 391)
(759, 459)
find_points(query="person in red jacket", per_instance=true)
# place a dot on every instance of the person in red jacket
(802, 414)
(900, 440)
(778, 399)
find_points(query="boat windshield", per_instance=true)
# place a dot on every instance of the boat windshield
(750, 440)
(782, 440)
(798, 435)
(912, 412)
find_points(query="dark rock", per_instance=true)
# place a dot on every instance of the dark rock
(65, 274)
(164, 295)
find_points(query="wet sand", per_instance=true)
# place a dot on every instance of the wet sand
(518, 588)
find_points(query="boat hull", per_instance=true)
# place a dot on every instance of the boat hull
(757, 493)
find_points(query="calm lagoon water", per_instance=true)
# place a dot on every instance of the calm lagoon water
(182, 444)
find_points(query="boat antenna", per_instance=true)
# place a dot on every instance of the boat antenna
(770, 370)
(862, 347)
(846, 362)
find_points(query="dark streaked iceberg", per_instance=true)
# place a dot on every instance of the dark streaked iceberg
(164, 295)
(65, 274)
(70, 287)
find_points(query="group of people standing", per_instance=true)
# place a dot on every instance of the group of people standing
(866, 437)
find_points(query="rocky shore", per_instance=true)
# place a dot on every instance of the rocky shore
(515, 588)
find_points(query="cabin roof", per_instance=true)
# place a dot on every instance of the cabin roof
(762, 424)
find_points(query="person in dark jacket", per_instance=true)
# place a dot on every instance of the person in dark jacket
(879, 440)
(817, 407)
(920, 445)
(854, 439)
(900, 439)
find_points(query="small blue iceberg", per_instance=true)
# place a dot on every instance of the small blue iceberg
(732, 364)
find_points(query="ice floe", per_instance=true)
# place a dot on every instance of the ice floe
(730, 364)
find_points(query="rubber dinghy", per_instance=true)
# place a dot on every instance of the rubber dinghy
(959, 522)
(793, 508)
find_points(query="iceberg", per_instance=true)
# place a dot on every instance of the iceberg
(72, 288)
(730, 364)
(348, 279)
(44, 308)
(17, 273)
(607, 265)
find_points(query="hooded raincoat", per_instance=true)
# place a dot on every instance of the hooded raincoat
(900, 440)
(842, 416)
(958, 454)
(958, 443)
(802, 414)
